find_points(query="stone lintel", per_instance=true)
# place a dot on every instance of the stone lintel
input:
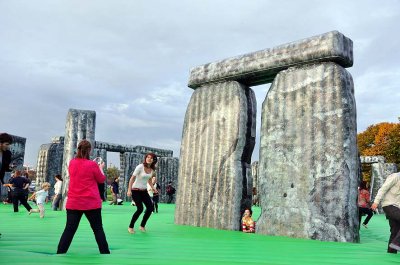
(262, 66)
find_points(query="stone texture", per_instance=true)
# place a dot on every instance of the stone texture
(80, 125)
(111, 147)
(308, 169)
(262, 66)
(167, 170)
(49, 163)
(214, 167)
(372, 159)
(129, 161)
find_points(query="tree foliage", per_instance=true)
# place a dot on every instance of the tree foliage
(111, 173)
(382, 139)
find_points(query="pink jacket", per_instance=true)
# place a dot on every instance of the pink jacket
(83, 191)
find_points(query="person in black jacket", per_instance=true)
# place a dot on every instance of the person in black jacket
(18, 194)
(5, 155)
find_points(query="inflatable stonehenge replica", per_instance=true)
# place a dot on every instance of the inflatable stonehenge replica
(308, 163)
(53, 158)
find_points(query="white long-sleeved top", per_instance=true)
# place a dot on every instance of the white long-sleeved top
(57, 187)
(389, 193)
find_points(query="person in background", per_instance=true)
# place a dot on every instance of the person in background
(84, 198)
(363, 204)
(17, 182)
(115, 191)
(5, 155)
(389, 196)
(170, 192)
(248, 225)
(57, 192)
(137, 188)
(41, 199)
(26, 186)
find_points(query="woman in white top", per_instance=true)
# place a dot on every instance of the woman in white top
(138, 189)
(57, 192)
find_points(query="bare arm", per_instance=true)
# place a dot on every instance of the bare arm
(131, 181)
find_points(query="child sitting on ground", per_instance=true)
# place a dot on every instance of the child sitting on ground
(248, 225)
(41, 198)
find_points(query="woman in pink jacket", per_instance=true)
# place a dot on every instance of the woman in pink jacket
(84, 198)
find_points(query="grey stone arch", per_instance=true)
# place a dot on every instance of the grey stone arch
(380, 170)
(218, 138)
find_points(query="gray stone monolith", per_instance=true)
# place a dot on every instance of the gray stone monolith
(308, 155)
(81, 124)
(214, 167)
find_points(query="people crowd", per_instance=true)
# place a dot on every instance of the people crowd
(83, 196)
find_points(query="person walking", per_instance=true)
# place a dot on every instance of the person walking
(389, 196)
(57, 193)
(137, 188)
(84, 198)
(364, 204)
(170, 192)
(17, 182)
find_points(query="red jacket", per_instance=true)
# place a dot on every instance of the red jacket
(83, 192)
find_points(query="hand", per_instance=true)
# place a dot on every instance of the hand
(374, 206)
(102, 165)
(155, 191)
(129, 193)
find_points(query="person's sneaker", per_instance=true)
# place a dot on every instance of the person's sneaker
(394, 246)
(365, 226)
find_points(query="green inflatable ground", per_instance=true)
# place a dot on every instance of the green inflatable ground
(30, 240)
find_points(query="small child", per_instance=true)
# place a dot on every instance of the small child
(41, 198)
(248, 225)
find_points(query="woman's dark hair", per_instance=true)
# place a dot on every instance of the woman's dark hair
(115, 179)
(84, 148)
(58, 177)
(5, 138)
(363, 185)
(153, 165)
(251, 212)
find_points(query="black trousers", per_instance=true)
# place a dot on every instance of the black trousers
(393, 215)
(73, 219)
(19, 196)
(366, 211)
(170, 198)
(155, 203)
(141, 197)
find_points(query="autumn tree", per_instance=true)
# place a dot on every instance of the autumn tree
(382, 139)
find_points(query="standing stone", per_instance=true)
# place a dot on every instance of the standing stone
(80, 125)
(49, 163)
(214, 167)
(256, 185)
(129, 161)
(167, 170)
(308, 155)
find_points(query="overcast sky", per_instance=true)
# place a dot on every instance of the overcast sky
(130, 60)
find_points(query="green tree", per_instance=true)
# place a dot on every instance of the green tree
(111, 173)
